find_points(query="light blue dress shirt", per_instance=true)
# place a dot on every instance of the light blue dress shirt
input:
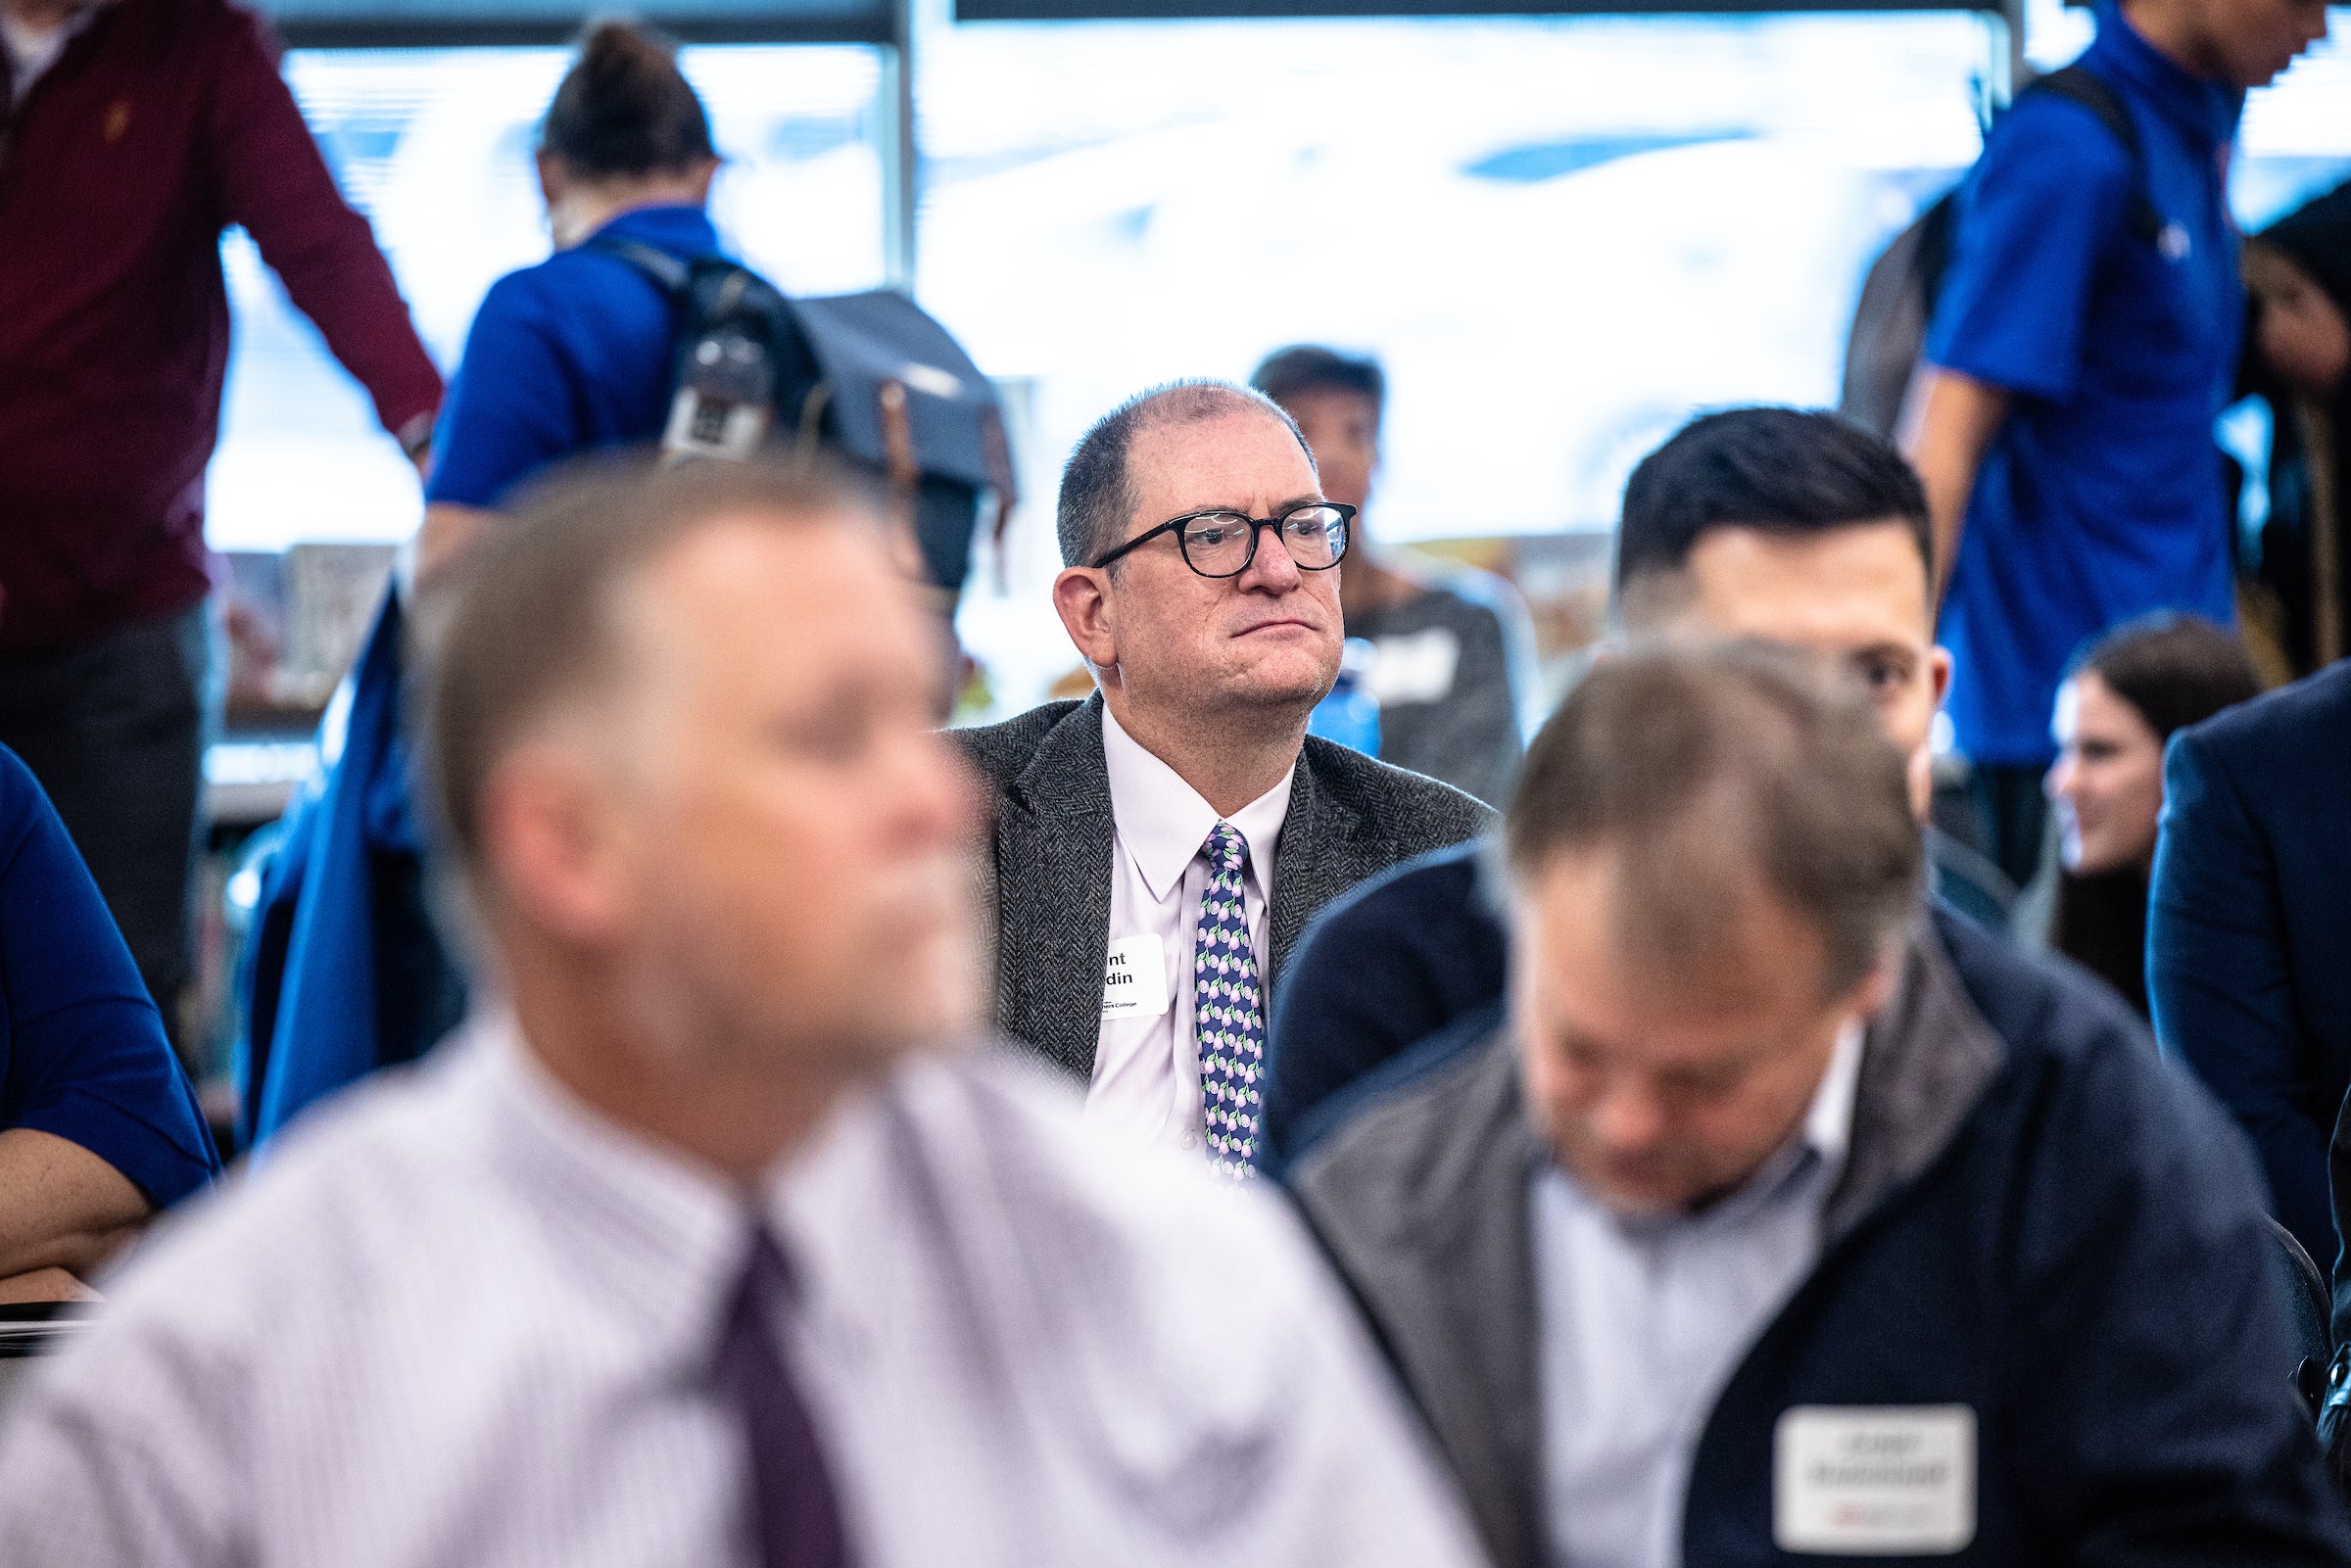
(1644, 1319)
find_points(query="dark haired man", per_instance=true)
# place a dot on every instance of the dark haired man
(704, 1243)
(1159, 846)
(1454, 650)
(1773, 523)
(1785, 1220)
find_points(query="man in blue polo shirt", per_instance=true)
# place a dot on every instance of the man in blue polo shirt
(2084, 340)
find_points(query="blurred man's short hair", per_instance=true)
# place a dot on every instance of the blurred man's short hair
(1788, 471)
(1707, 767)
(1097, 500)
(1309, 368)
(533, 621)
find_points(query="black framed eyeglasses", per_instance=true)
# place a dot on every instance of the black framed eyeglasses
(1222, 544)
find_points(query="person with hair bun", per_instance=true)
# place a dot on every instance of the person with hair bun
(573, 355)
(2119, 703)
(564, 357)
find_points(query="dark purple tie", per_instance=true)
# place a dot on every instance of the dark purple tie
(796, 1518)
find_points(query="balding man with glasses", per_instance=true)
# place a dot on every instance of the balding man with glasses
(1159, 846)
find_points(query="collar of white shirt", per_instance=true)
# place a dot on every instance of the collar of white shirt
(1820, 1144)
(1829, 1124)
(1163, 822)
(663, 1238)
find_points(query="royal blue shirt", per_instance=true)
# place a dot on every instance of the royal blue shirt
(82, 1052)
(2101, 496)
(567, 357)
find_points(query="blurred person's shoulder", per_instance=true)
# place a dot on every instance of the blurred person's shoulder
(1137, 1244)
(331, 1265)
(2307, 721)
(1190, 1338)
(346, 1200)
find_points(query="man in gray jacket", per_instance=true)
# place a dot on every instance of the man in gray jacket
(1159, 846)
(1787, 1216)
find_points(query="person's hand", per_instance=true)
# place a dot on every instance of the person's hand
(416, 439)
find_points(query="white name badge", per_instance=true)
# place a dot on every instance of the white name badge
(1414, 666)
(1134, 981)
(1864, 1481)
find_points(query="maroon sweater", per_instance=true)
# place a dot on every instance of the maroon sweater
(162, 122)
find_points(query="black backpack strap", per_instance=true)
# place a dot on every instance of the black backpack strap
(671, 274)
(2092, 93)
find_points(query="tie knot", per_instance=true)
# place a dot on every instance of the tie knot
(1225, 848)
(766, 1276)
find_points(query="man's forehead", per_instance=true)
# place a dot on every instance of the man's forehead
(1242, 456)
(755, 587)
(1869, 577)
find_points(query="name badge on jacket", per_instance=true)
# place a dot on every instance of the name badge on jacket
(1134, 981)
(1864, 1481)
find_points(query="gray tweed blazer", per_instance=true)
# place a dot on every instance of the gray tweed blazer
(1047, 873)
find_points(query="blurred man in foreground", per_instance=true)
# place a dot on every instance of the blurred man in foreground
(696, 1249)
(1786, 1217)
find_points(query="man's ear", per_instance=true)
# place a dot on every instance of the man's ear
(549, 844)
(550, 179)
(1084, 599)
(1939, 670)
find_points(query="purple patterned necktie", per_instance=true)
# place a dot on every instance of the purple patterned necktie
(796, 1518)
(1228, 1021)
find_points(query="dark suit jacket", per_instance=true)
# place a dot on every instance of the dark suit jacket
(2035, 1218)
(2250, 929)
(1049, 859)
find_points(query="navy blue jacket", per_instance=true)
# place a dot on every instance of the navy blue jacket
(1396, 959)
(2037, 1219)
(82, 1052)
(343, 972)
(2250, 929)
(1411, 965)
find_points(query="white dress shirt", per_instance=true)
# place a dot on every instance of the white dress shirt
(1643, 1320)
(1146, 1062)
(461, 1317)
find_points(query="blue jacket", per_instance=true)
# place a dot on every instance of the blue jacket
(1411, 965)
(82, 1052)
(342, 974)
(2037, 1219)
(2250, 929)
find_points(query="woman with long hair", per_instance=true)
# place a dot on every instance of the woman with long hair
(2120, 700)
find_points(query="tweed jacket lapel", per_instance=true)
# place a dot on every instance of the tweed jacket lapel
(1323, 853)
(1053, 845)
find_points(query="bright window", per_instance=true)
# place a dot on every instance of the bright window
(1559, 234)
(435, 147)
